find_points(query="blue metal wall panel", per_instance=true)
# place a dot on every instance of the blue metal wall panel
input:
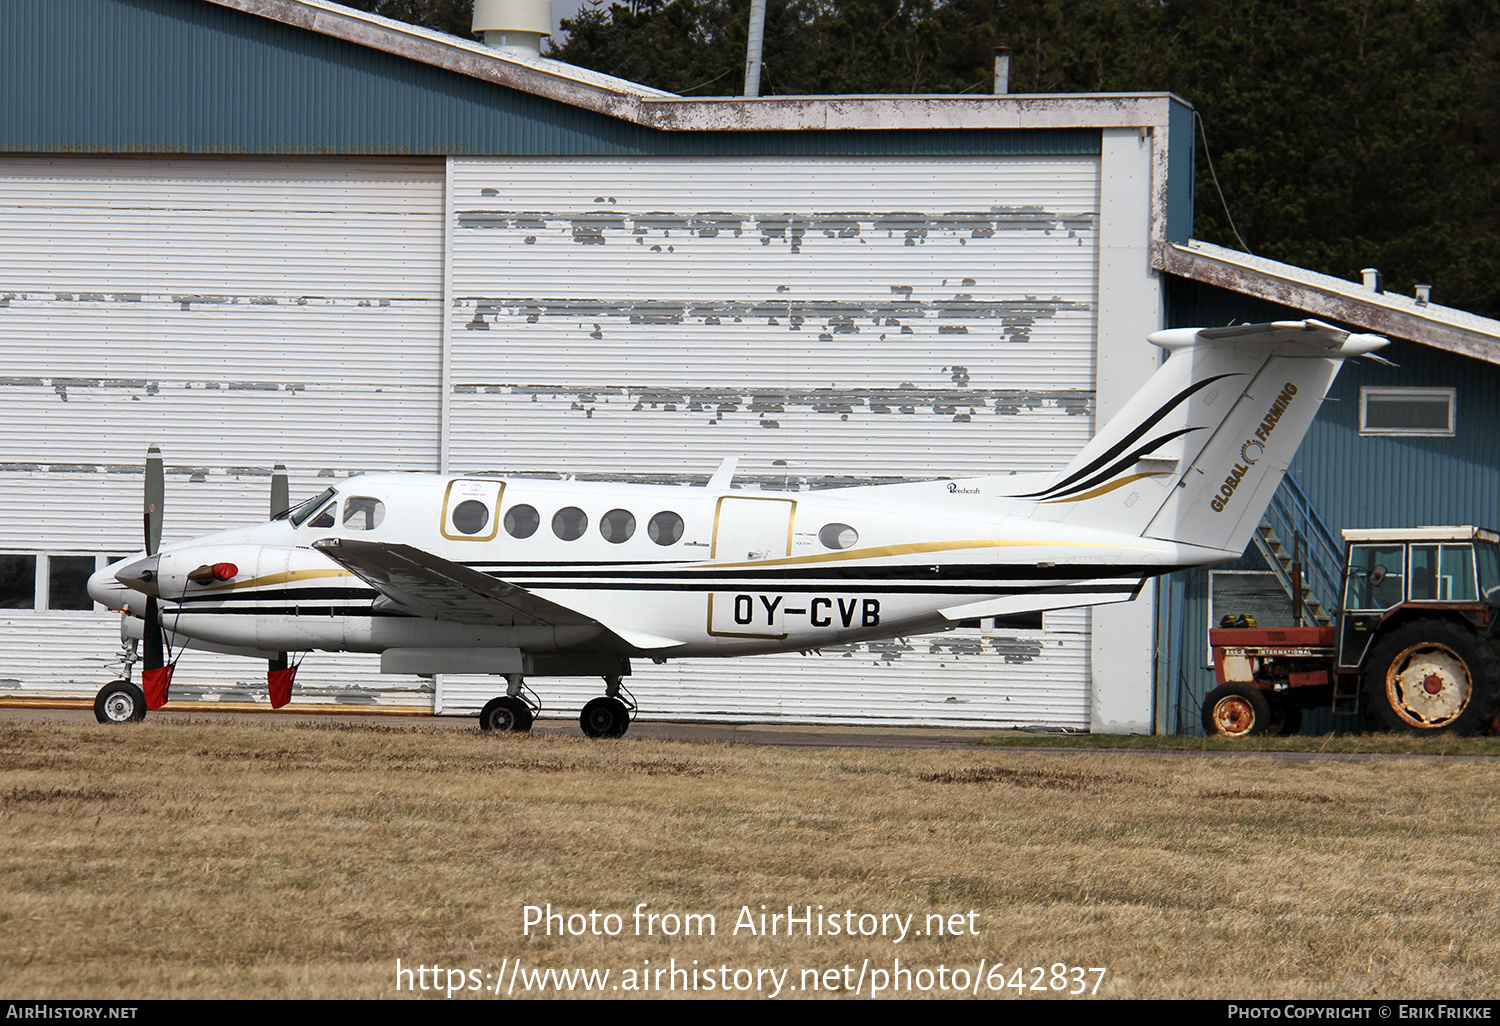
(182, 76)
(1353, 481)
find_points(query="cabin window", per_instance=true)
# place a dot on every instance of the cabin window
(1377, 576)
(522, 521)
(362, 513)
(665, 528)
(470, 516)
(323, 519)
(569, 523)
(1442, 573)
(617, 525)
(838, 536)
(1406, 411)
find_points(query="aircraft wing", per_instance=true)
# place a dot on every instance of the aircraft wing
(426, 585)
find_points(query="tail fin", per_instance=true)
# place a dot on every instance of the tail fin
(1196, 455)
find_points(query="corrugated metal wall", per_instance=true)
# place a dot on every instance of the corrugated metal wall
(239, 312)
(830, 320)
(827, 320)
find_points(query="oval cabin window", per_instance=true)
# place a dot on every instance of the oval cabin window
(522, 521)
(838, 536)
(470, 516)
(665, 528)
(617, 525)
(569, 523)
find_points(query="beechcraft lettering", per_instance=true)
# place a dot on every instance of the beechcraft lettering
(526, 578)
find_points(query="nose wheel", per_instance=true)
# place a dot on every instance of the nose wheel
(120, 702)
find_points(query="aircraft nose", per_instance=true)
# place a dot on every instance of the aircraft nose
(105, 590)
(139, 575)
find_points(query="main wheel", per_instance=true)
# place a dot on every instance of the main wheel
(120, 702)
(506, 713)
(1432, 675)
(604, 717)
(1236, 710)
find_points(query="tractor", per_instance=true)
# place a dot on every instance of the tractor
(1413, 644)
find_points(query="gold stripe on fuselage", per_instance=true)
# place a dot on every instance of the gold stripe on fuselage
(281, 578)
(916, 548)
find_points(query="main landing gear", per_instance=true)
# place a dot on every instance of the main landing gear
(609, 715)
(511, 712)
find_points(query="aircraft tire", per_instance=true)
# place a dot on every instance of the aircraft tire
(120, 702)
(1432, 676)
(1236, 711)
(506, 714)
(604, 717)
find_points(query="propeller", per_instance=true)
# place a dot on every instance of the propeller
(156, 675)
(281, 673)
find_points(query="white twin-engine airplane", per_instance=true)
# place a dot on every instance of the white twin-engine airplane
(520, 577)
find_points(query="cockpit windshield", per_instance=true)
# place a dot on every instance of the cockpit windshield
(300, 512)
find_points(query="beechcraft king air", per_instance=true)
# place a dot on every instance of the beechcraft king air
(520, 578)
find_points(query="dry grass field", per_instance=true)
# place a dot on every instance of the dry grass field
(214, 859)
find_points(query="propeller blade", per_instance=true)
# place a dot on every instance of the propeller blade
(155, 494)
(280, 495)
(156, 676)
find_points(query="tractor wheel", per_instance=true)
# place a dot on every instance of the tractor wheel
(1236, 711)
(1431, 676)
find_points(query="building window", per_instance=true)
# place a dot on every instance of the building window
(46, 582)
(17, 581)
(1406, 411)
(68, 582)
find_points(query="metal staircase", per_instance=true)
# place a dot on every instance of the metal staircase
(1291, 515)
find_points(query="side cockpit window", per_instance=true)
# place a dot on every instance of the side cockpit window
(362, 513)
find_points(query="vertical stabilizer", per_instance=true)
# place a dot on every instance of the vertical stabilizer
(1196, 455)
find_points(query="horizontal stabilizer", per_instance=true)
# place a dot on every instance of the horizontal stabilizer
(1086, 593)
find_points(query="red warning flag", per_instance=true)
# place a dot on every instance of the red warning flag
(155, 684)
(279, 683)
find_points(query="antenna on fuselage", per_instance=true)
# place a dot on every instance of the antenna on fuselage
(724, 475)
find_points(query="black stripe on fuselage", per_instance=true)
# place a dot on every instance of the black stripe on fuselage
(301, 611)
(838, 572)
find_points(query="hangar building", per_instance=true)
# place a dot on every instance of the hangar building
(261, 231)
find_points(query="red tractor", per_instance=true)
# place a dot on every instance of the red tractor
(1414, 643)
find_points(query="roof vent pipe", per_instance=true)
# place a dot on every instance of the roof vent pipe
(514, 26)
(1424, 295)
(1002, 70)
(1372, 279)
(753, 47)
